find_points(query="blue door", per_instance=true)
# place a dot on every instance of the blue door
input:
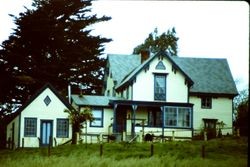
(46, 132)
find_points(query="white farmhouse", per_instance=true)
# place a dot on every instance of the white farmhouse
(40, 121)
(161, 95)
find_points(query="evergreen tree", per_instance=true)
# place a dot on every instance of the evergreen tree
(155, 43)
(52, 43)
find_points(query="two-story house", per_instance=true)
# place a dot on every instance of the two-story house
(162, 95)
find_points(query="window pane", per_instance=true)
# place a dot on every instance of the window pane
(206, 102)
(30, 127)
(160, 87)
(183, 117)
(98, 117)
(62, 128)
(171, 116)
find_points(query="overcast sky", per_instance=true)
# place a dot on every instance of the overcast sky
(214, 29)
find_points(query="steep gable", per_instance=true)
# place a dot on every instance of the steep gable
(130, 77)
(40, 91)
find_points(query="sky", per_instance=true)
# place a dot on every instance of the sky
(210, 29)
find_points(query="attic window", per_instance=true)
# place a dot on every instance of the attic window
(160, 66)
(47, 100)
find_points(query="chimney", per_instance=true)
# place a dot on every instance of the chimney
(69, 93)
(145, 53)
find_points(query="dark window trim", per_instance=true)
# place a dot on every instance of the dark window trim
(208, 105)
(35, 129)
(177, 117)
(57, 128)
(165, 84)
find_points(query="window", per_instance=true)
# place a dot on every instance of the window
(160, 87)
(160, 66)
(47, 100)
(171, 116)
(177, 117)
(98, 117)
(206, 102)
(127, 93)
(30, 125)
(155, 118)
(62, 128)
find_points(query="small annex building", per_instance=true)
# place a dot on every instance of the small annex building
(40, 120)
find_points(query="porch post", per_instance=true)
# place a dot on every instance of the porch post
(134, 107)
(163, 119)
(114, 119)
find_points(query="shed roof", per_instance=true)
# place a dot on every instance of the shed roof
(92, 100)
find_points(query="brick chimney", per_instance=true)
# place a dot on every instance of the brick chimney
(145, 53)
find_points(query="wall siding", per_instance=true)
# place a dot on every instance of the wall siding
(37, 108)
(221, 110)
(176, 89)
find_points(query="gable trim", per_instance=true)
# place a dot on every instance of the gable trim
(130, 77)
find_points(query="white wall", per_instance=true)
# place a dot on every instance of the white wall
(107, 121)
(143, 88)
(38, 109)
(16, 129)
(221, 110)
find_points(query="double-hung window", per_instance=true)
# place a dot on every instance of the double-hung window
(98, 117)
(62, 128)
(30, 127)
(206, 102)
(178, 117)
(160, 87)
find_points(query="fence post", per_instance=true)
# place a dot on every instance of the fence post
(203, 151)
(49, 145)
(22, 142)
(152, 149)
(101, 149)
(172, 135)
(205, 135)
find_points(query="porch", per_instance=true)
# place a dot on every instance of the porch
(162, 120)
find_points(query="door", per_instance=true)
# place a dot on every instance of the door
(46, 132)
(210, 127)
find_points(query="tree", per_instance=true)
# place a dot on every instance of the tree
(77, 118)
(52, 43)
(155, 43)
(241, 103)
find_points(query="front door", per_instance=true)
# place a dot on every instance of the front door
(46, 132)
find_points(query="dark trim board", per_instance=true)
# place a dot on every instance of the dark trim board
(149, 103)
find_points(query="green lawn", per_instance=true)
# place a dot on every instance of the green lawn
(218, 152)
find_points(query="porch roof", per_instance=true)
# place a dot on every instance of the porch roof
(149, 103)
(92, 100)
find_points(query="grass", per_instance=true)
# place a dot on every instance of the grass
(218, 152)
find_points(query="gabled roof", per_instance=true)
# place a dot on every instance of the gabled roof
(130, 77)
(210, 75)
(92, 100)
(47, 85)
(121, 65)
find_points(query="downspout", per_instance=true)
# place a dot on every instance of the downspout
(192, 118)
